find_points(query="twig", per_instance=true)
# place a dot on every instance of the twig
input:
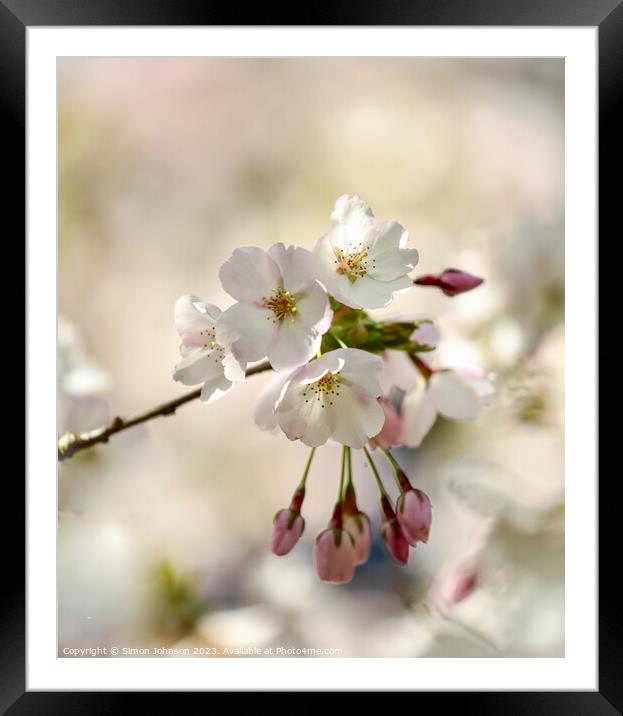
(71, 443)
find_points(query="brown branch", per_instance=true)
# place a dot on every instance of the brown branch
(71, 443)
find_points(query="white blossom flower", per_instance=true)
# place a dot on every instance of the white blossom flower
(203, 359)
(453, 393)
(334, 396)
(282, 310)
(362, 260)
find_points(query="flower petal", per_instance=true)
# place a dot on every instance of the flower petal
(247, 330)
(419, 413)
(199, 365)
(357, 417)
(398, 372)
(215, 388)
(249, 274)
(386, 257)
(264, 416)
(453, 396)
(193, 318)
(297, 266)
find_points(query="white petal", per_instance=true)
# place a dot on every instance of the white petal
(199, 365)
(292, 345)
(357, 417)
(369, 293)
(192, 315)
(313, 309)
(297, 266)
(234, 370)
(418, 416)
(306, 421)
(399, 372)
(265, 417)
(353, 223)
(246, 330)
(249, 274)
(214, 389)
(453, 396)
(386, 259)
(362, 369)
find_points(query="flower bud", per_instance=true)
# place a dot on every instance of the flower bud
(451, 587)
(414, 514)
(288, 527)
(451, 281)
(358, 526)
(394, 539)
(335, 556)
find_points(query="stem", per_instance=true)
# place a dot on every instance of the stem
(401, 478)
(71, 443)
(340, 494)
(339, 341)
(375, 472)
(349, 468)
(306, 472)
(421, 366)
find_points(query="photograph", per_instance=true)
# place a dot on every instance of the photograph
(310, 357)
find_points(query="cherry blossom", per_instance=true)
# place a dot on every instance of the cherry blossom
(363, 261)
(454, 393)
(281, 312)
(333, 396)
(204, 360)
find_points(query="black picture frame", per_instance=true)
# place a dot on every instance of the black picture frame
(17, 15)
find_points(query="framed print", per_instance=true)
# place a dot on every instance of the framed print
(311, 370)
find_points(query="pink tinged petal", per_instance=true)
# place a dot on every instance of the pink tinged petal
(215, 388)
(335, 556)
(357, 417)
(414, 514)
(195, 319)
(297, 266)
(395, 541)
(247, 330)
(427, 334)
(454, 397)
(451, 281)
(288, 527)
(391, 433)
(387, 258)
(249, 274)
(358, 526)
(398, 371)
(419, 413)
(198, 366)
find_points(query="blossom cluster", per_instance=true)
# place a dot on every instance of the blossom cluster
(340, 375)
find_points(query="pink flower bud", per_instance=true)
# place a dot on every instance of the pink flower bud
(414, 514)
(451, 281)
(335, 556)
(288, 526)
(358, 526)
(395, 541)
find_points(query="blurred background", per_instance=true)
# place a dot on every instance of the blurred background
(167, 165)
